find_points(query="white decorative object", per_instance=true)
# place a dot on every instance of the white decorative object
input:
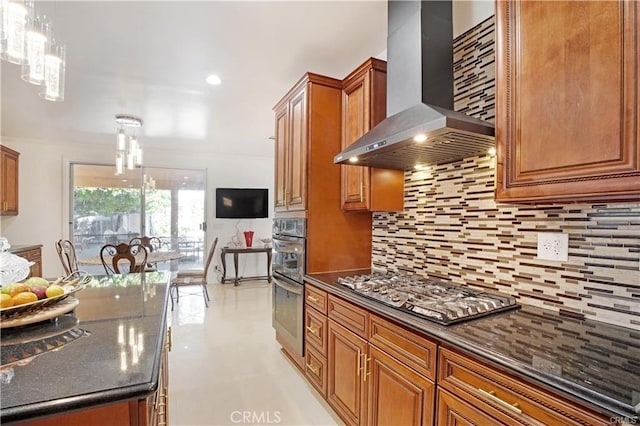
(14, 268)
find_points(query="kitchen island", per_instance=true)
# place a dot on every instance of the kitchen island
(544, 361)
(103, 363)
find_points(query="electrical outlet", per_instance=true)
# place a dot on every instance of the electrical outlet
(553, 246)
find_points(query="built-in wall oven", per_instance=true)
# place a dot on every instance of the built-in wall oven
(288, 266)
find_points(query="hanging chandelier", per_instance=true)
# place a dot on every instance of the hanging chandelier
(128, 148)
(26, 39)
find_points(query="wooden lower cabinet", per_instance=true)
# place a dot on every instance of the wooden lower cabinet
(454, 411)
(346, 388)
(315, 368)
(373, 371)
(398, 395)
(367, 384)
(502, 397)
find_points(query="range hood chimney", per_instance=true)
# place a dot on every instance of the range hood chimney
(421, 127)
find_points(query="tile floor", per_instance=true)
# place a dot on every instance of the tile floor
(226, 368)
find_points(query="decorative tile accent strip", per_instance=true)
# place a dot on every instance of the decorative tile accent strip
(453, 229)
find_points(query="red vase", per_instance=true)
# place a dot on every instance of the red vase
(248, 238)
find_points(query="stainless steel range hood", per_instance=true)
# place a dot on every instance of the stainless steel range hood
(421, 127)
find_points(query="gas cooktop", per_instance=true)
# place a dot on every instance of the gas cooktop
(437, 301)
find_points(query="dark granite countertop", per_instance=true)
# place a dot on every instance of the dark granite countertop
(107, 350)
(590, 362)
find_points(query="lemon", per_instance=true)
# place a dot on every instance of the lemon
(24, 297)
(54, 290)
(5, 300)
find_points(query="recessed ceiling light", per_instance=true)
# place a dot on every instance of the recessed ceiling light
(213, 80)
(186, 177)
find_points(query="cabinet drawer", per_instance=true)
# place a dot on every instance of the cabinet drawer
(406, 346)
(315, 330)
(315, 368)
(316, 298)
(453, 411)
(349, 316)
(505, 397)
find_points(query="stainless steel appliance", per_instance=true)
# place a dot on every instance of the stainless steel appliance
(434, 300)
(421, 127)
(288, 266)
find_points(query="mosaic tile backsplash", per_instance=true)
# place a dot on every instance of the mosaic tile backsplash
(452, 228)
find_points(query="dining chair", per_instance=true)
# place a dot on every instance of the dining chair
(191, 277)
(67, 254)
(133, 254)
(152, 244)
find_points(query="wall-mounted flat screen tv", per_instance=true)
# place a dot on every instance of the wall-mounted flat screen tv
(242, 203)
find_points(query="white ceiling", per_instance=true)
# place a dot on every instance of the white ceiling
(151, 58)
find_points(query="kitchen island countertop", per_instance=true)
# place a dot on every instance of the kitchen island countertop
(107, 350)
(594, 363)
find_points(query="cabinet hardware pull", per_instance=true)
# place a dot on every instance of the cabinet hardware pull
(312, 330)
(169, 339)
(359, 362)
(313, 299)
(314, 370)
(492, 396)
(367, 371)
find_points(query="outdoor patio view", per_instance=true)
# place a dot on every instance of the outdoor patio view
(113, 211)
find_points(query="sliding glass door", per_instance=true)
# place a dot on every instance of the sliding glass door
(164, 203)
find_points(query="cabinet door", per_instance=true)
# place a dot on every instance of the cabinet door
(567, 101)
(364, 98)
(282, 136)
(346, 389)
(355, 112)
(397, 394)
(9, 164)
(296, 188)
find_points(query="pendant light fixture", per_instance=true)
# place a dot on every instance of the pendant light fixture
(26, 39)
(128, 148)
(15, 17)
(54, 73)
(37, 39)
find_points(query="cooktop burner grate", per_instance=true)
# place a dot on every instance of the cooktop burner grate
(437, 301)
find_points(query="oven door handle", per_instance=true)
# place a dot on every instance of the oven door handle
(297, 289)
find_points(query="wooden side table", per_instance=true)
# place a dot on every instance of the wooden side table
(236, 251)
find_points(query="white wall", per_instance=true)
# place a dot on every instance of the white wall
(469, 13)
(44, 194)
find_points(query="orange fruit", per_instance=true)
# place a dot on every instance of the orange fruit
(5, 300)
(19, 288)
(24, 297)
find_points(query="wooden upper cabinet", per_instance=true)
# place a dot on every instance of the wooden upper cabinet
(364, 96)
(281, 142)
(297, 162)
(9, 173)
(567, 123)
(290, 151)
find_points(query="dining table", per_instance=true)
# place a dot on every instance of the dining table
(152, 257)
